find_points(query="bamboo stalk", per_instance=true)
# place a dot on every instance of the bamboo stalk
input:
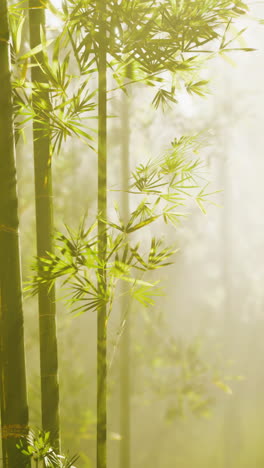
(102, 242)
(14, 409)
(2, 393)
(125, 308)
(45, 229)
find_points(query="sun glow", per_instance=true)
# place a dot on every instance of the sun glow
(54, 21)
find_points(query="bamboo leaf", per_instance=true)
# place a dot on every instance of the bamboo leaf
(223, 386)
(142, 224)
(36, 50)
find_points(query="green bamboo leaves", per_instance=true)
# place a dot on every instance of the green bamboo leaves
(61, 114)
(164, 41)
(157, 37)
(166, 180)
(38, 448)
(78, 263)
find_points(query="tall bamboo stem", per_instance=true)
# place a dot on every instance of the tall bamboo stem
(14, 409)
(232, 432)
(102, 240)
(125, 312)
(2, 394)
(44, 227)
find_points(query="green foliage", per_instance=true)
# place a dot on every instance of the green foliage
(178, 372)
(152, 37)
(78, 262)
(62, 102)
(197, 88)
(165, 183)
(168, 182)
(37, 447)
(155, 38)
(163, 42)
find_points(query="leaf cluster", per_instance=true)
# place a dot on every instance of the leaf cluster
(164, 184)
(148, 36)
(169, 181)
(152, 38)
(78, 262)
(178, 373)
(58, 101)
(37, 447)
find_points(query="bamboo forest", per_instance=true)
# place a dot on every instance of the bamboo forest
(131, 234)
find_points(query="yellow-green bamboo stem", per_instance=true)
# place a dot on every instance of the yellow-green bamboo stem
(2, 394)
(14, 409)
(125, 315)
(102, 241)
(44, 227)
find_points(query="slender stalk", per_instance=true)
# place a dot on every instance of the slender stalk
(125, 312)
(226, 260)
(232, 423)
(44, 227)
(231, 420)
(102, 241)
(2, 396)
(14, 409)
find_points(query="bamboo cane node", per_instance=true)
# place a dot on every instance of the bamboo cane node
(14, 430)
(5, 228)
(48, 375)
(46, 315)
